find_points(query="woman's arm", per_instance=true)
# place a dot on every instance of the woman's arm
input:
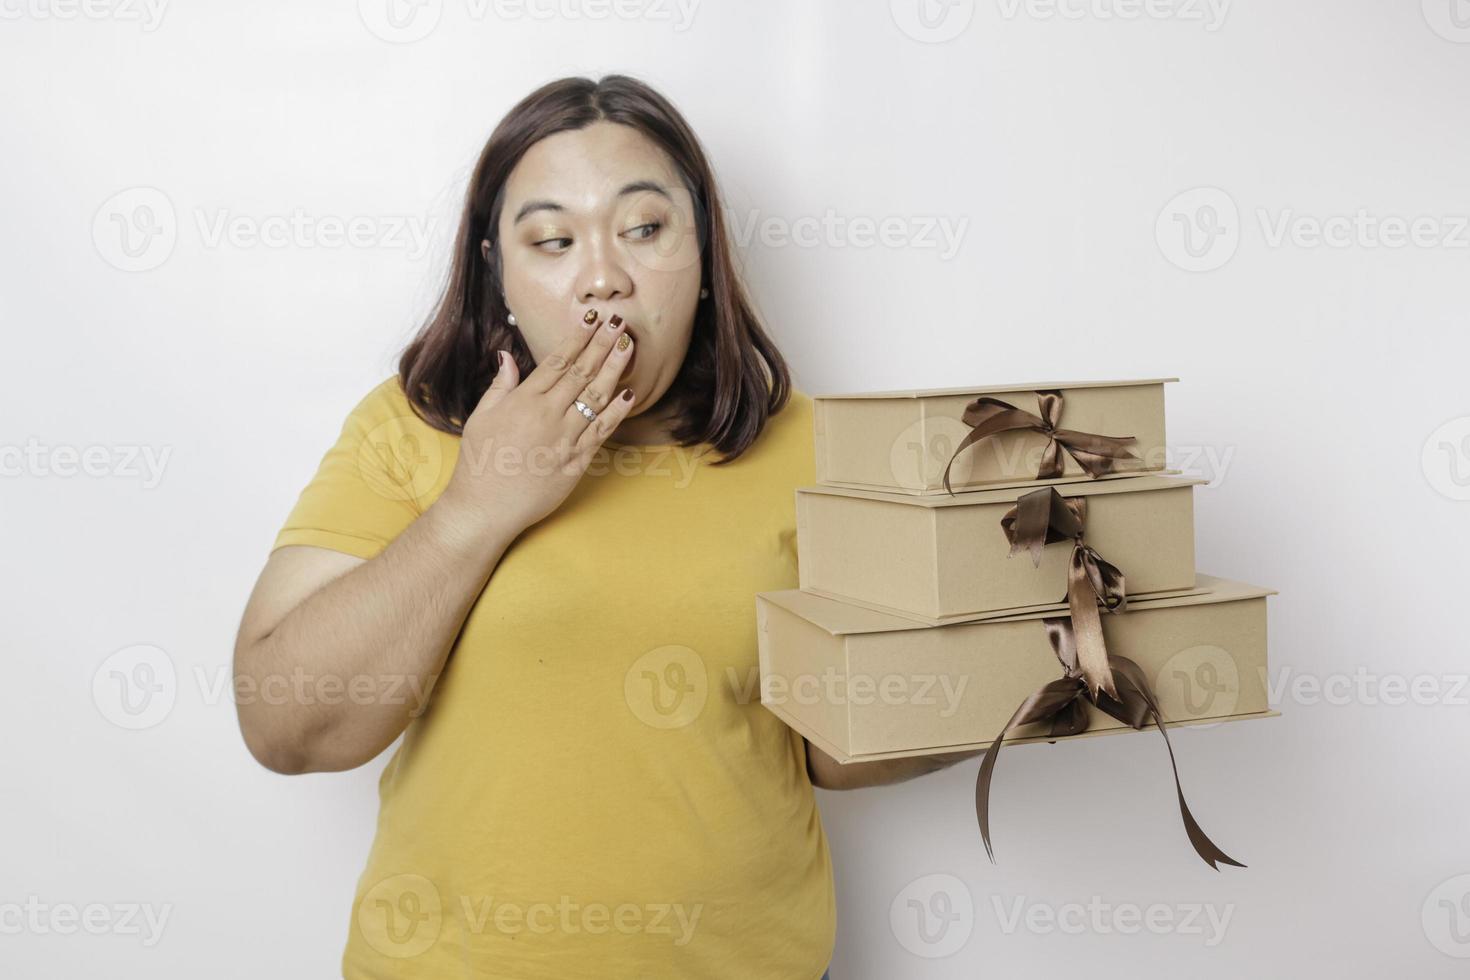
(335, 655)
(827, 773)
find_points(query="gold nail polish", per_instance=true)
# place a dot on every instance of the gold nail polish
(623, 342)
(589, 317)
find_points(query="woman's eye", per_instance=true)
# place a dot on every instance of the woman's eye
(652, 226)
(548, 241)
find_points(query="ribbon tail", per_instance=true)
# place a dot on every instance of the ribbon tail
(1134, 678)
(1049, 699)
(1092, 650)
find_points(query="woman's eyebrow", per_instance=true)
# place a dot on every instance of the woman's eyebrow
(531, 207)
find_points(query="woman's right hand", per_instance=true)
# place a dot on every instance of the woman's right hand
(525, 446)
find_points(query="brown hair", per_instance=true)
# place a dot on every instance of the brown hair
(733, 378)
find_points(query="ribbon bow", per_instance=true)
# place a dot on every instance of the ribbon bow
(1044, 516)
(1096, 454)
(1062, 702)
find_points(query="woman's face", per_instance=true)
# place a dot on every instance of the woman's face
(598, 218)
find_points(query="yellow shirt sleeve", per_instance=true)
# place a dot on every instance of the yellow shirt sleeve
(386, 466)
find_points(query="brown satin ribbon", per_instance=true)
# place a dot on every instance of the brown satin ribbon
(1096, 454)
(1044, 516)
(1061, 702)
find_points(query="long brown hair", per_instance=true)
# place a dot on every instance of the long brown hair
(733, 377)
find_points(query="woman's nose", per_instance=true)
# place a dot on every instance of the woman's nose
(604, 278)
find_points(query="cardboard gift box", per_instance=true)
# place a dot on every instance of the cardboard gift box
(941, 559)
(901, 441)
(862, 684)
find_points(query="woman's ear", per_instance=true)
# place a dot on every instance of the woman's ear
(485, 250)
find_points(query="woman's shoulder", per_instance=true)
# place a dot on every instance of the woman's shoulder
(789, 436)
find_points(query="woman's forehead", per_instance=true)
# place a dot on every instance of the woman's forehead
(585, 170)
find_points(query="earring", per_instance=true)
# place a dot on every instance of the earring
(510, 318)
(704, 294)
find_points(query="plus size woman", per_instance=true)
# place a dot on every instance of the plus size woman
(533, 553)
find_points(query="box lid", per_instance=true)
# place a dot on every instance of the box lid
(990, 389)
(1007, 495)
(840, 618)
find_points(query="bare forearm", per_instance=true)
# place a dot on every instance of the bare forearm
(828, 773)
(375, 639)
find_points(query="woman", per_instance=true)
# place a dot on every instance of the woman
(530, 519)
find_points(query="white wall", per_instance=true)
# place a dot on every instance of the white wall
(1320, 376)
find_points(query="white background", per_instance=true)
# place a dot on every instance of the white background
(1058, 141)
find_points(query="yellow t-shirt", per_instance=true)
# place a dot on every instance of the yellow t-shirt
(594, 789)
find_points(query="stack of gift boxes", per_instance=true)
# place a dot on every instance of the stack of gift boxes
(994, 565)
